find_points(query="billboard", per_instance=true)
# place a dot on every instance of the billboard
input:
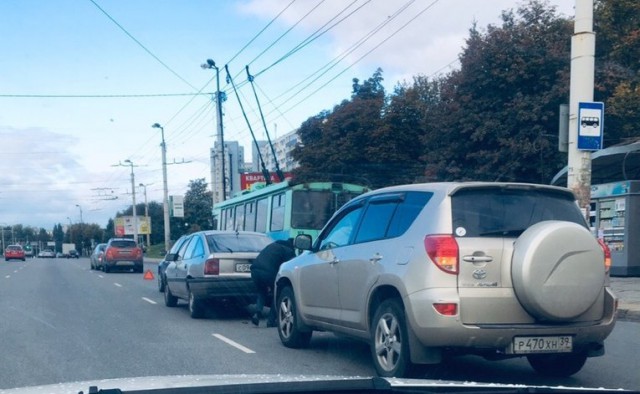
(249, 178)
(176, 206)
(124, 225)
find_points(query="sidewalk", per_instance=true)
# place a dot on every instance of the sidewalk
(628, 292)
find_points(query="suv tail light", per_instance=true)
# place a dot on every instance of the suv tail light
(108, 254)
(443, 251)
(607, 255)
(212, 267)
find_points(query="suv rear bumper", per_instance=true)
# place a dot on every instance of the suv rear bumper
(123, 264)
(434, 330)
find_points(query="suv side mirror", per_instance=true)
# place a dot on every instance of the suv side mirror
(303, 242)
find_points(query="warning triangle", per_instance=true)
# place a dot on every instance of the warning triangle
(148, 275)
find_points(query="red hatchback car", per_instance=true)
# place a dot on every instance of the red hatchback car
(14, 252)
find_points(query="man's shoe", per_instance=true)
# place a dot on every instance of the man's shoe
(255, 319)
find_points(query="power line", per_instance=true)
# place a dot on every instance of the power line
(261, 31)
(286, 32)
(101, 95)
(141, 45)
(316, 34)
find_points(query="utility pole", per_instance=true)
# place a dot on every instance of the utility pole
(133, 196)
(583, 44)
(79, 207)
(210, 64)
(165, 187)
(146, 213)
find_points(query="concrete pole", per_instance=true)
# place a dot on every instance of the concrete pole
(583, 46)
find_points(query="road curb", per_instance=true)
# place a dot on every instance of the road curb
(628, 314)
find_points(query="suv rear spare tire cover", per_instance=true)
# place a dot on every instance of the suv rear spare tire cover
(557, 270)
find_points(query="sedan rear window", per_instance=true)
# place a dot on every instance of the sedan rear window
(509, 212)
(231, 243)
(14, 247)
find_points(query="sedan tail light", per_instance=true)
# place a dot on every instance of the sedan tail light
(443, 251)
(212, 267)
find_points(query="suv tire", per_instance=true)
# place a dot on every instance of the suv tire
(552, 259)
(557, 365)
(390, 342)
(287, 319)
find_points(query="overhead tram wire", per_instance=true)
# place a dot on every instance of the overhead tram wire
(265, 173)
(309, 39)
(365, 55)
(316, 34)
(142, 46)
(283, 34)
(261, 31)
(336, 60)
(266, 130)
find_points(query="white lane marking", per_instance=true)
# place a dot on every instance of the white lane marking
(149, 301)
(15, 272)
(233, 343)
(100, 276)
(7, 276)
(117, 284)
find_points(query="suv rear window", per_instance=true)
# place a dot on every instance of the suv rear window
(122, 244)
(509, 212)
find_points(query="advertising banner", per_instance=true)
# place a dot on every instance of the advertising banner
(124, 225)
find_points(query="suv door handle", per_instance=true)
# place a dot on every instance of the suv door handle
(477, 259)
(376, 257)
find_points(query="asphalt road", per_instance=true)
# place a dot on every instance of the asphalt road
(61, 322)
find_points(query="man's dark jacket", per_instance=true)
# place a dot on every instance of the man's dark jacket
(265, 266)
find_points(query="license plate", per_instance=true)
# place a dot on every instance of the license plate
(554, 344)
(243, 267)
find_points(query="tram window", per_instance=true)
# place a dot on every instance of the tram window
(277, 212)
(261, 215)
(250, 216)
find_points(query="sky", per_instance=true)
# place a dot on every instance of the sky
(82, 81)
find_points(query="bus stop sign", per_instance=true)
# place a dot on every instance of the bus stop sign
(590, 125)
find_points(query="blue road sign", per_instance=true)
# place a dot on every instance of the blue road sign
(590, 125)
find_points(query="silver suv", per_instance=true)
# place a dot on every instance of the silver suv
(422, 271)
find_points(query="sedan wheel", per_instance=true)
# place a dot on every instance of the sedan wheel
(196, 309)
(161, 285)
(390, 347)
(287, 320)
(169, 299)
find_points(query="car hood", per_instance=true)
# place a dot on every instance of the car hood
(282, 383)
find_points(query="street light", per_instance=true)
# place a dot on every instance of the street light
(146, 213)
(79, 207)
(133, 195)
(210, 64)
(165, 199)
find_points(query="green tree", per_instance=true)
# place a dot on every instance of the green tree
(334, 144)
(198, 206)
(58, 236)
(617, 83)
(502, 104)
